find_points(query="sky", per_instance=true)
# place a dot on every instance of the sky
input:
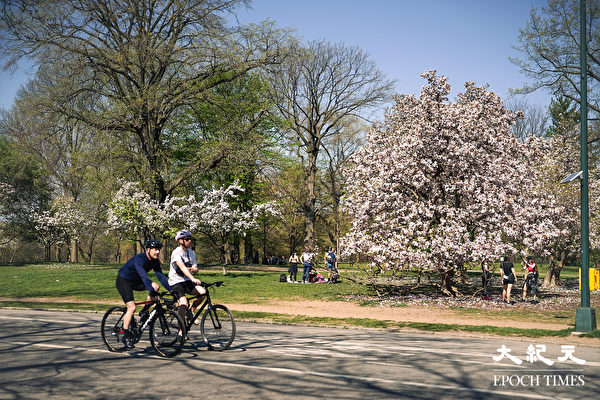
(465, 40)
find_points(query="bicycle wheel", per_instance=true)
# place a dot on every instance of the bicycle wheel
(111, 328)
(167, 333)
(218, 328)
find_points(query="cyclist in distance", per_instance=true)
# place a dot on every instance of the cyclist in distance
(134, 276)
(183, 265)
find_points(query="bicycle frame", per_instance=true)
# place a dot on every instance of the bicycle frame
(206, 304)
(152, 315)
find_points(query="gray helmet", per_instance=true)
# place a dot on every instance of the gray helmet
(183, 234)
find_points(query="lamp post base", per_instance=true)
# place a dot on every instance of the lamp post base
(585, 319)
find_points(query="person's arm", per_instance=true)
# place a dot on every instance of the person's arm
(139, 268)
(186, 271)
(162, 278)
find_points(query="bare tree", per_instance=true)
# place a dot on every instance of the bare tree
(338, 150)
(320, 87)
(535, 121)
(144, 60)
(549, 45)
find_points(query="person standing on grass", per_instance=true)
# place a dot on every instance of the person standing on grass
(509, 278)
(531, 279)
(134, 276)
(330, 261)
(183, 265)
(485, 278)
(293, 269)
(307, 259)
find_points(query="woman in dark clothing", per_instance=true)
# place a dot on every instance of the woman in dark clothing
(509, 278)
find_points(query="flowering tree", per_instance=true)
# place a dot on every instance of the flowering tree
(133, 211)
(63, 223)
(439, 184)
(216, 218)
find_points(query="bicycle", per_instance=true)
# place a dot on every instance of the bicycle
(217, 326)
(166, 328)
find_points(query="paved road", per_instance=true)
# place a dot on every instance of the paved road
(52, 355)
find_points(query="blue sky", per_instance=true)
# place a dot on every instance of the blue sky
(465, 40)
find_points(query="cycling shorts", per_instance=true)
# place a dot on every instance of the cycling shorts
(126, 288)
(180, 289)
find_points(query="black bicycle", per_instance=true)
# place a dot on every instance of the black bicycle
(166, 328)
(217, 326)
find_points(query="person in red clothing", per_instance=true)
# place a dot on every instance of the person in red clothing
(531, 279)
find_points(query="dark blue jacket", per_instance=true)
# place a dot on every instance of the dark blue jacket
(136, 269)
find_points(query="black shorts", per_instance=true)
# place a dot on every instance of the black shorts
(180, 289)
(126, 288)
(509, 281)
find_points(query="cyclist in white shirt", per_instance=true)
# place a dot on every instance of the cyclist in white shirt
(181, 280)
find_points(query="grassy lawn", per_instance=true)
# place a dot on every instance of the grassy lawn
(80, 286)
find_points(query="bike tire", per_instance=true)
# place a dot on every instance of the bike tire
(167, 333)
(111, 328)
(218, 327)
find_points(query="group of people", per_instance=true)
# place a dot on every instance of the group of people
(509, 279)
(181, 281)
(307, 259)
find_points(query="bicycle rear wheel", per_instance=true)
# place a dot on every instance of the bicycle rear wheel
(167, 334)
(218, 328)
(112, 328)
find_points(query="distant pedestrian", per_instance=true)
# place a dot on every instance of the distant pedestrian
(509, 278)
(530, 283)
(307, 259)
(486, 276)
(293, 269)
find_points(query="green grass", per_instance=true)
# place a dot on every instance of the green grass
(97, 282)
(80, 285)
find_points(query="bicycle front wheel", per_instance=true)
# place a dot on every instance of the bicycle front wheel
(218, 328)
(167, 333)
(112, 328)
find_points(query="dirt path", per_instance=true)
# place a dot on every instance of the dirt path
(341, 309)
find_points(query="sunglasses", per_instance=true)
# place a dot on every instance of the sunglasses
(188, 238)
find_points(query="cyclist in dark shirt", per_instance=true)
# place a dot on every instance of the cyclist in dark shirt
(134, 276)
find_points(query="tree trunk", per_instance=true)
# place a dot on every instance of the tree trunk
(310, 203)
(552, 278)
(447, 287)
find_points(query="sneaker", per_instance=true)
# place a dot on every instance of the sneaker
(127, 340)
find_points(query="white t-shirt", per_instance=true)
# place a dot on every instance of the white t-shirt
(306, 257)
(188, 257)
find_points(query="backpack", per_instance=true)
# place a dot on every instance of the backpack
(282, 278)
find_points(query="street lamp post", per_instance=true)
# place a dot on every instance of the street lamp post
(585, 318)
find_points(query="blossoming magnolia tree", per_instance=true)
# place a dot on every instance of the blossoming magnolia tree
(439, 184)
(63, 223)
(134, 211)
